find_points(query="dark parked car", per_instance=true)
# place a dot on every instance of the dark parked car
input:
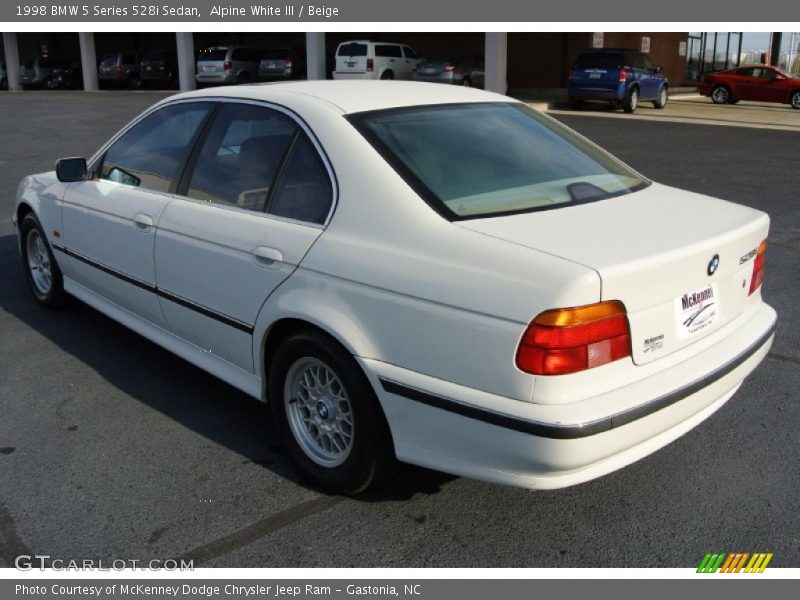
(120, 69)
(50, 73)
(624, 77)
(457, 70)
(3, 77)
(159, 68)
(282, 63)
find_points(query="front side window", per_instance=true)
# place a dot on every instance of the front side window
(488, 159)
(409, 52)
(150, 153)
(241, 156)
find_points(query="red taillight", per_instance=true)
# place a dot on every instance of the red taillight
(623, 75)
(758, 267)
(289, 63)
(228, 65)
(568, 340)
(162, 65)
(370, 64)
(449, 69)
(118, 69)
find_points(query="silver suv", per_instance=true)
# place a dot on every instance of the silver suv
(228, 65)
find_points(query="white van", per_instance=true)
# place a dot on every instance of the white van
(362, 59)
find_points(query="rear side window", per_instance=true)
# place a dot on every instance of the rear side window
(149, 154)
(648, 62)
(388, 50)
(304, 191)
(599, 60)
(352, 49)
(242, 156)
(636, 61)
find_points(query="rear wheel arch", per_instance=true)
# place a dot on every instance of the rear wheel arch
(282, 329)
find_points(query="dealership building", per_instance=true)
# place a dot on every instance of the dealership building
(522, 60)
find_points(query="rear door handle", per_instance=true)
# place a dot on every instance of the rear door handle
(268, 257)
(143, 222)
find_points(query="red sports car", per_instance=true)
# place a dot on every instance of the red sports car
(756, 82)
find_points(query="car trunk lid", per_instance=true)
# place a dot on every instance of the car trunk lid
(680, 262)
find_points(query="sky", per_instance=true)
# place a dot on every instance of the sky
(758, 41)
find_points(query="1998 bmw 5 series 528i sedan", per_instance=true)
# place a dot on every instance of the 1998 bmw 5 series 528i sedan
(413, 272)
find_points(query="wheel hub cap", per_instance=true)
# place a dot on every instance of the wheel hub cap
(318, 411)
(39, 262)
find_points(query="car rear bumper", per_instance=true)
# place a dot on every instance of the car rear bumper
(442, 78)
(221, 78)
(468, 432)
(591, 93)
(355, 75)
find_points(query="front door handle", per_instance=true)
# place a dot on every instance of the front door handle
(268, 257)
(143, 221)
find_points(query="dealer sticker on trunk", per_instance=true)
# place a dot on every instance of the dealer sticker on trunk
(696, 311)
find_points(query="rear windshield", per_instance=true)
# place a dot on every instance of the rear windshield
(213, 54)
(480, 160)
(154, 56)
(352, 50)
(600, 60)
(276, 54)
(111, 60)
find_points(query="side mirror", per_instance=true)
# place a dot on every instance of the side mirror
(69, 170)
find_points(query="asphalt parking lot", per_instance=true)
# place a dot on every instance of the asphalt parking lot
(112, 448)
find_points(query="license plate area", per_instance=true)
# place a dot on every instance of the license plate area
(697, 311)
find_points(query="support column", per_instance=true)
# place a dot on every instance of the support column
(775, 54)
(186, 63)
(88, 61)
(12, 61)
(496, 61)
(315, 55)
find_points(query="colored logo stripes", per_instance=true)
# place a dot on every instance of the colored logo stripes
(735, 562)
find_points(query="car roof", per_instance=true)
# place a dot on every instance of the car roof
(353, 96)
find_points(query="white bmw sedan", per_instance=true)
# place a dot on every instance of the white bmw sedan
(413, 272)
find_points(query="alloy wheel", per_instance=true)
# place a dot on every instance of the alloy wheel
(319, 412)
(39, 262)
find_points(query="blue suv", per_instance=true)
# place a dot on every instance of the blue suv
(624, 77)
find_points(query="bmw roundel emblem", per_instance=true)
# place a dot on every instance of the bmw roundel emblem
(713, 265)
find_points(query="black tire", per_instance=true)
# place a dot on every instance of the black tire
(466, 82)
(50, 83)
(663, 98)
(794, 100)
(371, 452)
(576, 103)
(721, 95)
(135, 82)
(4, 84)
(387, 75)
(242, 78)
(54, 295)
(631, 102)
